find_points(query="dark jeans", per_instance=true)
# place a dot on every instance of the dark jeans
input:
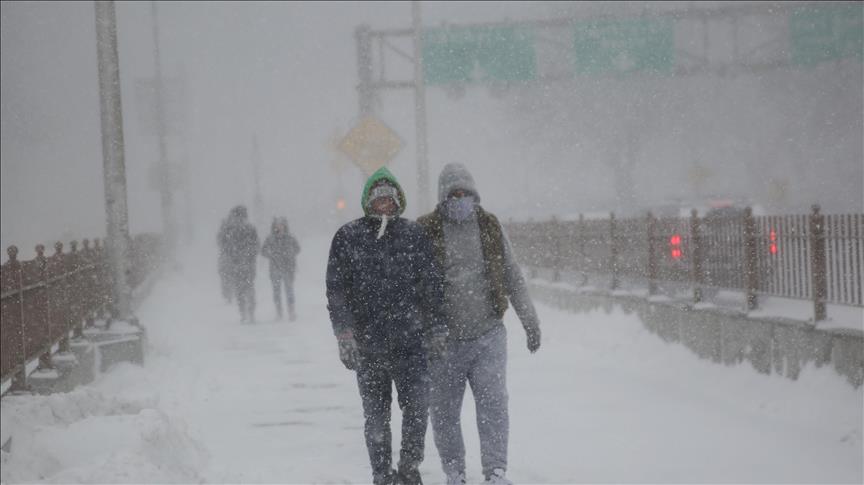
(225, 280)
(278, 278)
(375, 378)
(226, 288)
(244, 290)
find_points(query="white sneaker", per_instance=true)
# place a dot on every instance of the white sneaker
(497, 478)
(456, 479)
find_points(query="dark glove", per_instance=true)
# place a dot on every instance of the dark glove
(348, 353)
(533, 336)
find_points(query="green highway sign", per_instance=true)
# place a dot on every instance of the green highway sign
(823, 33)
(478, 54)
(624, 45)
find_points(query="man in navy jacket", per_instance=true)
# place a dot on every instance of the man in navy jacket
(385, 297)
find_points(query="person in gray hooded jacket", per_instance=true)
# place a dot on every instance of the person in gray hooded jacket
(481, 275)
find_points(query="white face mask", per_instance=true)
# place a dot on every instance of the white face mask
(460, 208)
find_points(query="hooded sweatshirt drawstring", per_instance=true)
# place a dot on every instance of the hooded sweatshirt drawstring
(383, 226)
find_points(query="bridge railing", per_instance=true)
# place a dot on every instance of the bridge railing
(803, 256)
(51, 298)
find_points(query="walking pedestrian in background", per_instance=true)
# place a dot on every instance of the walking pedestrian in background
(240, 240)
(223, 268)
(281, 248)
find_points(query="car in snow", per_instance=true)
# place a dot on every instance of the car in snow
(721, 230)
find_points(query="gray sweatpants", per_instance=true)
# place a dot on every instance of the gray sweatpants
(482, 362)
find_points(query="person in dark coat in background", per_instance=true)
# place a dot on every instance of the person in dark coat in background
(385, 296)
(481, 275)
(223, 267)
(240, 240)
(281, 248)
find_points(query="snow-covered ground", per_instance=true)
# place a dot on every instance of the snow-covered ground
(602, 401)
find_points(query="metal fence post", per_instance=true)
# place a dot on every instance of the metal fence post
(77, 306)
(531, 240)
(554, 233)
(696, 243)
(63, 346)
(818, 277)
(751, 259)
(650, 223)
(45, 361)
(583, 259)
(104, 287)
(19, 379)
(613, 252)
(90, 297)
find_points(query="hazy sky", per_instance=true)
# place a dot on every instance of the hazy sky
(282, 71)
(286, 74)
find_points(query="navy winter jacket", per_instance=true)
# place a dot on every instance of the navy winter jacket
(389, 291)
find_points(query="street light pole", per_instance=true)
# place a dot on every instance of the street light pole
(365, 92)
(113, 163)
(166, 172)
(257, 200)
(420, 110)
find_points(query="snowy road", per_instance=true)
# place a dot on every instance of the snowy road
(602, 401)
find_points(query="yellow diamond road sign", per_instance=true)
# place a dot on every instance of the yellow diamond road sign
(371, 144)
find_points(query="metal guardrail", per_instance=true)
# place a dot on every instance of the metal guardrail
(815, 257)
(50, 299)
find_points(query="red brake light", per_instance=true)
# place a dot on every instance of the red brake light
(772, 237)
(675, 246)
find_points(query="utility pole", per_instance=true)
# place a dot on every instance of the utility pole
(113, 163)
(365, 92)
(166, 172)
(257, 201)
(189, 221)
(420, 109)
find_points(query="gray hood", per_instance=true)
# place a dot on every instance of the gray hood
(455, 176)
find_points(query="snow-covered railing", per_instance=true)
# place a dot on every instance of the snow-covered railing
(811, 256)
(50, 299)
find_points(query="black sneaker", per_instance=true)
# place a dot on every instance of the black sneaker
(497, 478)
(408, 476)
(456, 479)
(388, 478)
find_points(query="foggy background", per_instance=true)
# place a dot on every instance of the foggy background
(285, 75)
